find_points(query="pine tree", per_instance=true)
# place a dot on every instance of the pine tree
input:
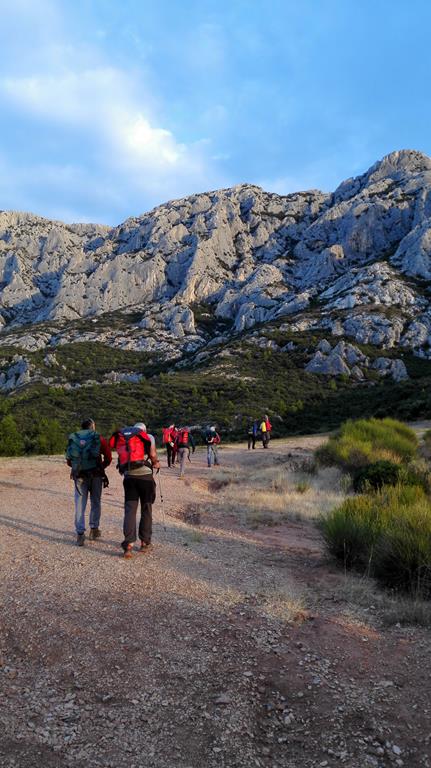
(11, 441)
(49, 437)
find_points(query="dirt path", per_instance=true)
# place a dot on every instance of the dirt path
(188, 656)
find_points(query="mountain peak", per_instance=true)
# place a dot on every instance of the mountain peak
(402, 160)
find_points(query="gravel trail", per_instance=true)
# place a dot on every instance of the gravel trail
(190, 655)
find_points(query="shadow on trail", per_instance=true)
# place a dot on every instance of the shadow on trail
(63, 537)
(21, 486)
(68, 495)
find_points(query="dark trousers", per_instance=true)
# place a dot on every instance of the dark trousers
(170, 452)
(251, 441)
(138, 489)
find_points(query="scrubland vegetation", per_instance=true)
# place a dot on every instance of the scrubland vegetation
(385, 531)
(240, 382)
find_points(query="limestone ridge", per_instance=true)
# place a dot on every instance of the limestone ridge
(355, 263)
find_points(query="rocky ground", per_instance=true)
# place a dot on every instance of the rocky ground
(223, 647)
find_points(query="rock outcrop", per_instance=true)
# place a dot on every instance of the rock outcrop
(346, 359)
(354, 263)
(16, 375)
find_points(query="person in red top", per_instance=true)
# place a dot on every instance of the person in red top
(169, 435)
(183, 441)
(90, 481)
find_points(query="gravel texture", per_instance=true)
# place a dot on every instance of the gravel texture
(221, 647)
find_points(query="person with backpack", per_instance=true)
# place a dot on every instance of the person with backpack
(137, 459)
(212, 440)
(88, 454)
(168, 440)
(183, 441)
(252, 431)
(265, 429)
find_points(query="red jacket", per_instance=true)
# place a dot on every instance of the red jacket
(105, 451)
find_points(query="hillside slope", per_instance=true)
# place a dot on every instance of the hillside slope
(333, 285)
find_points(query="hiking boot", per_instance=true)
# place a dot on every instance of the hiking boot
(128, 553)
(95, 533)
(145, 547)
(80, 539)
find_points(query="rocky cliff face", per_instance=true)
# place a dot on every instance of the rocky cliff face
(192, 272)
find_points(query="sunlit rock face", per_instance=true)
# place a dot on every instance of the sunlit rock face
(355, 263)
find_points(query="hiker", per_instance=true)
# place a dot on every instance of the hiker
(168, 439)
(174, 448)
(88, 454)
(265, 429)
(252, 431)
(183, 441)
(212, 440)
(137, 458)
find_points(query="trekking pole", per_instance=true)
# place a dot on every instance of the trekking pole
(161, 501)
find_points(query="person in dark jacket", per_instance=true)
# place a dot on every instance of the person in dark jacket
(212, 441)
(252, 430)
(89, 482)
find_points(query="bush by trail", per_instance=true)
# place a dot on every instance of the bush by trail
(376, 475)
(360, 443)
(386, 534)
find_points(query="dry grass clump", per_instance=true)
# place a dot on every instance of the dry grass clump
(285, 603)
(273, 494)
(390, 609)
(407, 612)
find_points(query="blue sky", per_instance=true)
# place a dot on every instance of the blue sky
(109, 108)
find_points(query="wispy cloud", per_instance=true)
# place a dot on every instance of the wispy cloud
(110, 111)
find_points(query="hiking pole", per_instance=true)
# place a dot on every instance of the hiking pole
(161, 501)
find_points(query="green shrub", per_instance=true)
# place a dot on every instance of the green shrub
(386, 534)
(368, 441)
(351, 530)
(11, 440)
(376, 475)
(47, 437)
(403, 551)
(416, 472)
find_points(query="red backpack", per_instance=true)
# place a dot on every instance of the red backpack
(133, 447)
(166, 435)
(183, 437)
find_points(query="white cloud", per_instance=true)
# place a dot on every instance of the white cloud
(101, 102)
(110, 111)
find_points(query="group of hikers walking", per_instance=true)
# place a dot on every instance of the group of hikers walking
(179, 441)
(256, 428)
(88, 454)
